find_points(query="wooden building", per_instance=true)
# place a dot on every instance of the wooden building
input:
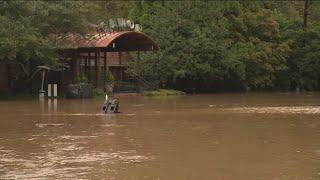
(105, 51)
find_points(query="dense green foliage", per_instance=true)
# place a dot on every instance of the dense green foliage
(205, 45)
(32, 31)
(234, 45)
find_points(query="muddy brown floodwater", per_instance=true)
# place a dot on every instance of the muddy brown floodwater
(223, 136)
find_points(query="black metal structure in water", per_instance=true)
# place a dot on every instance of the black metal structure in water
(110, 106)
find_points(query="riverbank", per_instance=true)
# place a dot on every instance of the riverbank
(99, 94)
(164, 92)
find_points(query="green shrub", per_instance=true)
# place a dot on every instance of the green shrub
(81, 79)
(109, 77)
(98, 93)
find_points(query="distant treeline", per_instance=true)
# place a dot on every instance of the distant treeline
(205, 45)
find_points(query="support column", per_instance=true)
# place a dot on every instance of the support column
(89, 69)
(120, 63)
(80, 68)
(138, 70)
(76, 62)
(120, 58)
(104, 70)
(86, 65)
(138, 64)
(97, 67)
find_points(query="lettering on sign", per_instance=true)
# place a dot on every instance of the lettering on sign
(118, 24)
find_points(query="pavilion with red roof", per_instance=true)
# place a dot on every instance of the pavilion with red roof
(100, 53)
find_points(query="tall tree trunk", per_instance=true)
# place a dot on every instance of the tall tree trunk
(305, 18)
(305, 24)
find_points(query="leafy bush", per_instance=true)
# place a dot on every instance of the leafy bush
(109, 77)
(81, 79)
(98, 93)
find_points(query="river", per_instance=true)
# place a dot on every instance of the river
(258, 136)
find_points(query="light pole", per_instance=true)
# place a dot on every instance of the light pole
(43, 70)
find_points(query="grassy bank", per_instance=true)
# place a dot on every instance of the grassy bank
(164, 92)
(24, 96)
(18, 96)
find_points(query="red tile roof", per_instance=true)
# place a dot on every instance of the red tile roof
(118, 41)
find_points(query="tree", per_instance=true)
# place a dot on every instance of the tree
(228, 42)
(31, 32)
(256, 45)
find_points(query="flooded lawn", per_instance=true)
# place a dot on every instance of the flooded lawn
(222, 136)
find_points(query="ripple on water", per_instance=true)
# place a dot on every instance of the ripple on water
(63, 160)
(111, 125)
(67, 114)
(280, 109)
(76, 137)
(42, 125)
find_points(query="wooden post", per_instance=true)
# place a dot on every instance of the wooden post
(120, 63)
(89, 68)
(138, 63)
(86, 65)
(61, 79)
(77, 68)
(120, 58)
(80, 68)
(138, 70)
(96, 67)
(104, 70)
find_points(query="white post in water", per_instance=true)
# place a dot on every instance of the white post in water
(42, 92)
(55, 90)
(49, 90)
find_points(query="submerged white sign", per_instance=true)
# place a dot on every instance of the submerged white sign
(119, 24)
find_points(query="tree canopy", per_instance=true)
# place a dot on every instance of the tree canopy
(231, 45)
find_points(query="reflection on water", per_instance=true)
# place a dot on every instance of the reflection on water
(280, 109)
(231, 136)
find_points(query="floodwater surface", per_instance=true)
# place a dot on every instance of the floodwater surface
(223, 136)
